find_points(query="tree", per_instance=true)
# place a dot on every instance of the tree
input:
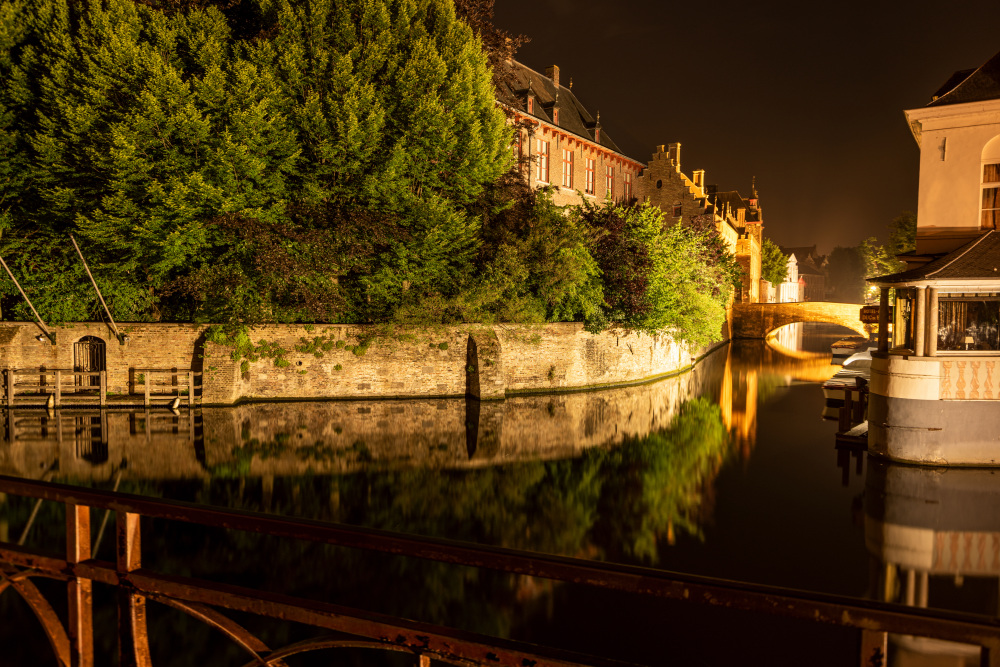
(774, 263)
(846, 272)
(903, 233)
(678, 279)
(188, 142)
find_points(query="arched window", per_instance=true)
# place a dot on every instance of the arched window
(990, 209)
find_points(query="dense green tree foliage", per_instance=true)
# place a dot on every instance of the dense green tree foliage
(773, 263)
(903, 233)
(677, 278)
(291, 161)
(158, 136)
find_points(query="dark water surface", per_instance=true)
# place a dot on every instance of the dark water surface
(728, 471)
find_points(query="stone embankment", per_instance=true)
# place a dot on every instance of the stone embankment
(351, 362)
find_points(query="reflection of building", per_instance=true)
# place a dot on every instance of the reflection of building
(935, 537)
(563, 145)
(928, 389)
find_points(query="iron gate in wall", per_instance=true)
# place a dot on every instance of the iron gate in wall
(89, 357)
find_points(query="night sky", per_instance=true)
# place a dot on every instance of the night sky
(810, 103)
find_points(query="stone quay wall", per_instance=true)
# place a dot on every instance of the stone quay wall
(336, 362)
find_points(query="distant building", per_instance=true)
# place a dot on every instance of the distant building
(936, 383)
(811, 273)
(562, 145)
(738, 221)
(790, 291)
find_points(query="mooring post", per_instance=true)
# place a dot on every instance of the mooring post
(845, 412)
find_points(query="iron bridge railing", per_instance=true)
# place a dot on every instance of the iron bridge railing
(72, 642)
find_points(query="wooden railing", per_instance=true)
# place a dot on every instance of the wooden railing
(37, 386)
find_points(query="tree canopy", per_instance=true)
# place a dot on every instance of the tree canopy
(773, 263)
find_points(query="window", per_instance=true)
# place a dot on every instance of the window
(567, 168)
(589, 189)
(991, 196)
(902, 325)
(969, 324)
(531, 104)
(609, 174)
(542, 172)
(678, 209)
(627, 189)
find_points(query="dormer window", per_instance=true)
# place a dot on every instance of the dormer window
(991, 196)
(531, 105)
(555, 116)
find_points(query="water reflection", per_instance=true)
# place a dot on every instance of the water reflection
(628, 474)
(934, 536)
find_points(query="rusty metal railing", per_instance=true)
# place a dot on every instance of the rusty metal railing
(74, 645)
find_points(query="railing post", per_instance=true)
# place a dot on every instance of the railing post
(145, 389)
(10, 388)
(133, 643)
(58, 387)
(104, 388)
(191, 389)
(81, 618)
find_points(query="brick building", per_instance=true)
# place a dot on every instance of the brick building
(738, 221)
(562, 145)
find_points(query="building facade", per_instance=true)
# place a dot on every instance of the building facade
(562, 146)
(935, 389)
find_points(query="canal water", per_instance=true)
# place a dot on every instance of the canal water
(728, 471)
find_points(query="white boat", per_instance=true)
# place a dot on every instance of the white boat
(845, 347)
(857, 365)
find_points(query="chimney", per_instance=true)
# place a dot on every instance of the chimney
(553, 73)
(699, 177)
(675, 154)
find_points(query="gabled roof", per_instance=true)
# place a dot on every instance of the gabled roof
(978, 85)
(978, 259)
(573, 116)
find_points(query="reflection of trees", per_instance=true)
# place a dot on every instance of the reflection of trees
(618, 503)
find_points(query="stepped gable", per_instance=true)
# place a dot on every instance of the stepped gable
(573, 116)
(977, 259)
(977, 85)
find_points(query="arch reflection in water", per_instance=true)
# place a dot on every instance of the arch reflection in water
(934, 535)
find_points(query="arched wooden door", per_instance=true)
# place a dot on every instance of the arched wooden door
(88, 357)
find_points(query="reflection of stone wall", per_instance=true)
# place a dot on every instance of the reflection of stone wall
(263, 439)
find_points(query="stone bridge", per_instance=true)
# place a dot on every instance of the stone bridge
(757, 320)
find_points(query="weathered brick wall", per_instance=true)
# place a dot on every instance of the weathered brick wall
(322, 437)
(485, 362)
(563, 356)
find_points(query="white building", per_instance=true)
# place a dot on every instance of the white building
(935, 388)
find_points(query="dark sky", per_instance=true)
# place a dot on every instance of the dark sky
(808, 97)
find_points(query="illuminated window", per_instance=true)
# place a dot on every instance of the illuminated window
(627, 188)
(610, 180)
(590, 177)
(991, 195)
(969, 324)
(542, 173)
(567, 168)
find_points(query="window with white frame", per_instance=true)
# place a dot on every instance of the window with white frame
(567, 168)
(589, 187)
(991, 196)
(609, 174)
(542, 170)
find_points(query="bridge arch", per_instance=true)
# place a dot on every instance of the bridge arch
(757, 320)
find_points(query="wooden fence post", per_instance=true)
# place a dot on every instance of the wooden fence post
(191, 389)
(10, 388)
(104, 388)
(145, 388)
(58, 387)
